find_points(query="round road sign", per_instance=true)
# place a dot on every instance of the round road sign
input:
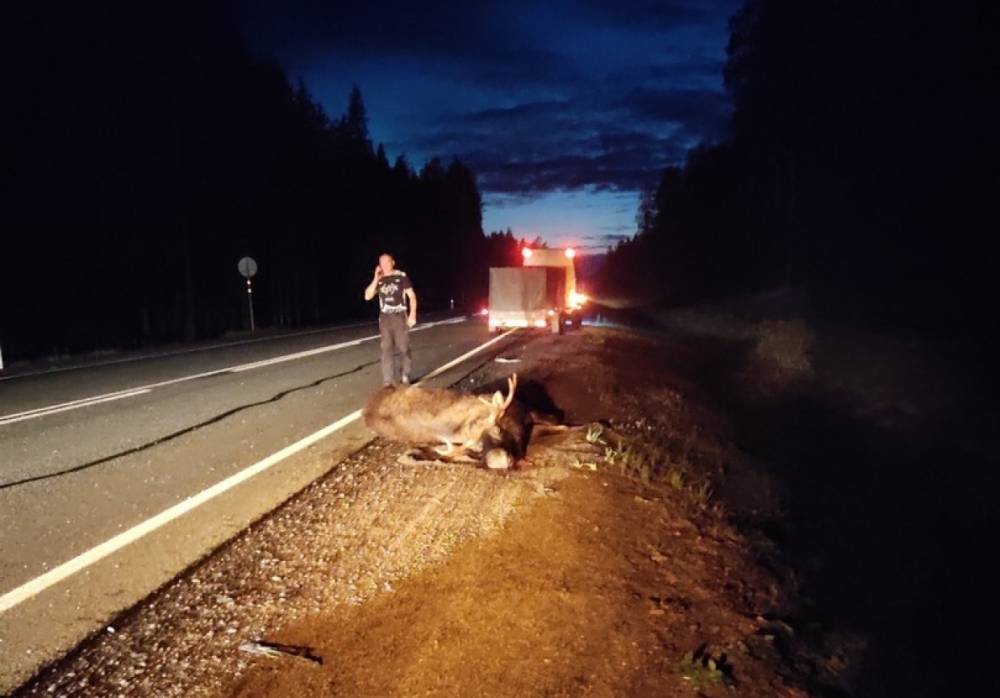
(247, 267)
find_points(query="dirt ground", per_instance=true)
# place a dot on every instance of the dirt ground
(606, 585)
(646, 552)
(600, 588)
(603, 566)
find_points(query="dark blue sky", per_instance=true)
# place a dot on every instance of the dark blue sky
(565, 110)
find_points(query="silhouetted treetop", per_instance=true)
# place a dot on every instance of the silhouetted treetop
(862, 163)
(150, 150)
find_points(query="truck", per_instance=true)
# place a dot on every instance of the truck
(541, 293)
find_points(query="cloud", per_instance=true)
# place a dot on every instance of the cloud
(476, 39)
(649, 13)
(535, 97)
(565, 145)
(594, 169)
(604, 240)
(700, 111)
(305, 27)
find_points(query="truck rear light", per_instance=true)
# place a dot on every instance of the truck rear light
(484, 311)
(526, 252)
(570, 253)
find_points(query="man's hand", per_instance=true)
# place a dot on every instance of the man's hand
(411, 320)
(372, 288)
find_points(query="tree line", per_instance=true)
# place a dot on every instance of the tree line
(147, 149)
(861, 166)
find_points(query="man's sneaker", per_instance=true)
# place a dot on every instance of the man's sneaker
(405, 380)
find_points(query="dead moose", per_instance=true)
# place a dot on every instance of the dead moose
(451, 426)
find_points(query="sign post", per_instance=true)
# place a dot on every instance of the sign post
(248, 267)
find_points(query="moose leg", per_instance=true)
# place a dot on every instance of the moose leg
(419, 456)
(428, 455)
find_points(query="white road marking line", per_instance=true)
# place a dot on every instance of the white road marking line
(85, 559)
(300, 355)
(84, 400)
(455, 362)
(73, 406)
(193, 350)
(139, 389)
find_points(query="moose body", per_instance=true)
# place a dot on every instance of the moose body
(455, 426)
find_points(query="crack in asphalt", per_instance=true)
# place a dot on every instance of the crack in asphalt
(222, 416)
(186, 430)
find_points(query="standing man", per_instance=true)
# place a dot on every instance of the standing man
(394, 322)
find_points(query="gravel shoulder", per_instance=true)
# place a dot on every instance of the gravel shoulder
(604, 566)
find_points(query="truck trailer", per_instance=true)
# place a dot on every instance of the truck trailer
(542, 293)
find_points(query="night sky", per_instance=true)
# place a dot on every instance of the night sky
(565, 110)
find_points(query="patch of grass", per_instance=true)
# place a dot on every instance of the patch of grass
(633, 463)
(652, 463)
(704, 670)
(614, 454)
(701, 495)
(675, 478)
(594, 432)
(645, 472)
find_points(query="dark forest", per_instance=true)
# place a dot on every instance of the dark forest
(861, 166)
(143, 164)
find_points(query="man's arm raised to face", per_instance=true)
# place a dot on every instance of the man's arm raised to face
(372, 288)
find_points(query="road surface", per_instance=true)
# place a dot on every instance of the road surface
(115, 478)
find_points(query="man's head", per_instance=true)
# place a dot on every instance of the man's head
(386, 263)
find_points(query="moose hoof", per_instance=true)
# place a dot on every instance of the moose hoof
(498, 459)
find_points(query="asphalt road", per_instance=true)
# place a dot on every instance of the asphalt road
(88, 455)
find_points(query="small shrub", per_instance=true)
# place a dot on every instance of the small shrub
(645, 472)
(616, 454)
(702, 495)
(594, 432)
(675, 478)
(704, 670)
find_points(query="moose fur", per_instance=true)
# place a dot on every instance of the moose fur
(453, 426)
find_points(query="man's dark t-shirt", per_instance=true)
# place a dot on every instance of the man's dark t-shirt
(390, 292)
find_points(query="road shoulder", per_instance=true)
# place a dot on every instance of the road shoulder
(600, 567)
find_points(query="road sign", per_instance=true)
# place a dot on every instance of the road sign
(247, 267)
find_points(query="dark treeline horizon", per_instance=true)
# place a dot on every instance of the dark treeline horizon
(148, 150)
(861, 167)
